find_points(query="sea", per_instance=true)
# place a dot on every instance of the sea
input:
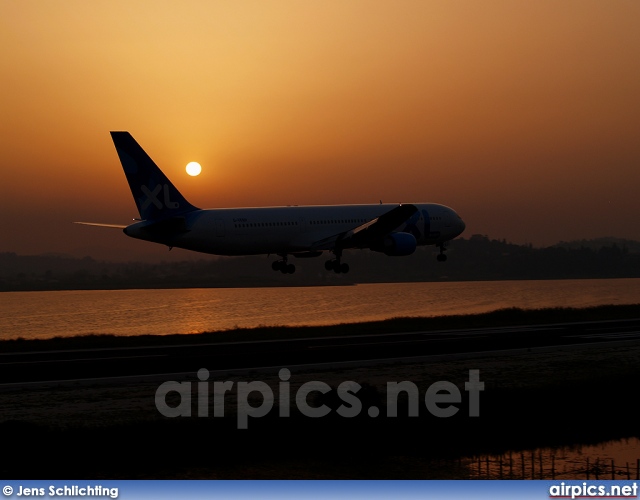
(32, 315)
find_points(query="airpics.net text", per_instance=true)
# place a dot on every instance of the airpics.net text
(440, 398)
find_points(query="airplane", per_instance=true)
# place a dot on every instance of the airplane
(166, 217)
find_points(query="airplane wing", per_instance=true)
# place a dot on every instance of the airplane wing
(116, 226)
(370, 232)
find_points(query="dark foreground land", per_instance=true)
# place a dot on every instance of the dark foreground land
(561, 397)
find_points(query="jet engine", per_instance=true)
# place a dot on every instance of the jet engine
(397, 244)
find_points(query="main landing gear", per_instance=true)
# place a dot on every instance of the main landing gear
(282, 266)
(441, 256)
(335, 265)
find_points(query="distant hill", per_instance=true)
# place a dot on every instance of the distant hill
(477, 258)
(596, 244)
(12, 264)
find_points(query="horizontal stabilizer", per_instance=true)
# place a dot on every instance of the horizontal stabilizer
(115, 226)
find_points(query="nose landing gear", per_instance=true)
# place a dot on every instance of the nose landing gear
(441, 256)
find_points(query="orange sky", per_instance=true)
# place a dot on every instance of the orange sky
(524, 116)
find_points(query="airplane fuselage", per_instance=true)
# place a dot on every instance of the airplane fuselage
(291, 229)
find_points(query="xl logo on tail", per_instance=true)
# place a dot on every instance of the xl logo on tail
(152, 197)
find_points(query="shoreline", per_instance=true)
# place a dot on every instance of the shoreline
(499, 318)
(276, 284)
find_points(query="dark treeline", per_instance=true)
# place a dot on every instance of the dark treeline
(475, 258)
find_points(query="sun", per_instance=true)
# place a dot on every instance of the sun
(193, 168)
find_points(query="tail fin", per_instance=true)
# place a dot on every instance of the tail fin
(155, 196)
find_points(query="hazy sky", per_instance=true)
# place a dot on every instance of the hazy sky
(524, 116)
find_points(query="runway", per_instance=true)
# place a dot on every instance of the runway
(34, 368)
